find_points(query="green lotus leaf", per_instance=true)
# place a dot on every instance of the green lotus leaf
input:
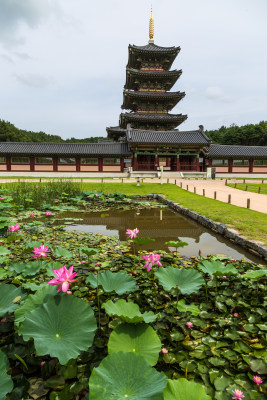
(123, 376)
(32, 268)
(61, 252)
(120, 282)
(4, 251)
(182, 389)
(4, 273)
(217, 268)
(17, 267)
(176, 244)
(6, 383)
(182, 307)
(34, 301)
(8, 293)
(33, 286)
(89, 251)
(62, 327)
(255, 274)
(188, 280)
(139, 339)
(142, 241)
(128, 312)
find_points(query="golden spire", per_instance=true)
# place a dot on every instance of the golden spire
(151, 27)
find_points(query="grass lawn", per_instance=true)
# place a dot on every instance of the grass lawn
(251, 187)
(249, 223)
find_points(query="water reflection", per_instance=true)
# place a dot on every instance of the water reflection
(163, 225)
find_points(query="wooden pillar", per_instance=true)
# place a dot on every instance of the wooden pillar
(122, 164)
(78, 164)
(156, 162)
(55, 163)
(250, 166)
(8, 163)
(197, 164)
(178, 167)
(230, 166)
(100, 165)
(32, 164)
(210, 162)
(168, 161)
(135, 165)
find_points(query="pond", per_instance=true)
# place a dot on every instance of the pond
(163, 225)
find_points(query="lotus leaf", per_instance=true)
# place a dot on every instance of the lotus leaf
(128, 312)
(126, 375)
(188, 280)
(217, 268)
(255, 274)
(142, 241)
(139, 339)
(4, 251)
(176, 244)
(6, 383)
(17, 267)
(8, 293)
(62, 327)
(61, 252)
(34, 301)
(182, 307)
(120, 282)
(32, 268)
(89, 251)
(182, 389)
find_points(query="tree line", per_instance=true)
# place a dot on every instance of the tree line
(246, 135)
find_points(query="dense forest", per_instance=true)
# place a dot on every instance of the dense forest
(247, 135)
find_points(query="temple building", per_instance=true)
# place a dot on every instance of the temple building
(147, 137)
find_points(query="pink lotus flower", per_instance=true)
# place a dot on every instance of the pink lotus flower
(83, 262)
(257, 380)
(36, 186)
(14, 228)
(232, 259)
(190, 324)
(48, 213)
(224, 276)
(56, 201)
(150, 260)
(236, 314)
(164, 351)
(63, 279)
(40, 251)
(132, 233)
(32, 215)
(1, 198)
(237, 394)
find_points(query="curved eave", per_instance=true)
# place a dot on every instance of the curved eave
(134, 76)
(166, 54)
(170, 120)
(131, 99)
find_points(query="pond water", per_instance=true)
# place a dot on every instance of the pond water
(163, 225)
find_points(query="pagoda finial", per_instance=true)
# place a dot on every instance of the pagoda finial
(151, 27)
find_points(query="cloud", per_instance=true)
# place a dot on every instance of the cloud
(14, 13)
(33, 80)
(216, 93)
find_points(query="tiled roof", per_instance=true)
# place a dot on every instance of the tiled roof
(232, 151)
(167, 137)
(157, 74)
(153, 95)
(151, 47)
(154, 117)
(85, 149)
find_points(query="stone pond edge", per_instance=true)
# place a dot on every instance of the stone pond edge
(222, 229)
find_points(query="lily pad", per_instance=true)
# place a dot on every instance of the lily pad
(62, 327)
(9, 293)
(89, 251)
(182, 389)
(182, 307)
(6, 383)
(128, 312)
(126, 375)
(61, 252)
(120, 282)
(34, 301)
(142, 241)
(188, 280)
(139, 339)
(4, 251)
(255, 274)
(217, 268)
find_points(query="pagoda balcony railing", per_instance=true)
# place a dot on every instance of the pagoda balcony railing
(188, 166)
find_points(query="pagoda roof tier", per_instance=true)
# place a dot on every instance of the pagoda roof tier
(132, 98)
(115, 132)
(168, 120)
(173, 137)
(151, 52)
(134, 76)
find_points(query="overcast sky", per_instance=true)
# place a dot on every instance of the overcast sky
(62, 62)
